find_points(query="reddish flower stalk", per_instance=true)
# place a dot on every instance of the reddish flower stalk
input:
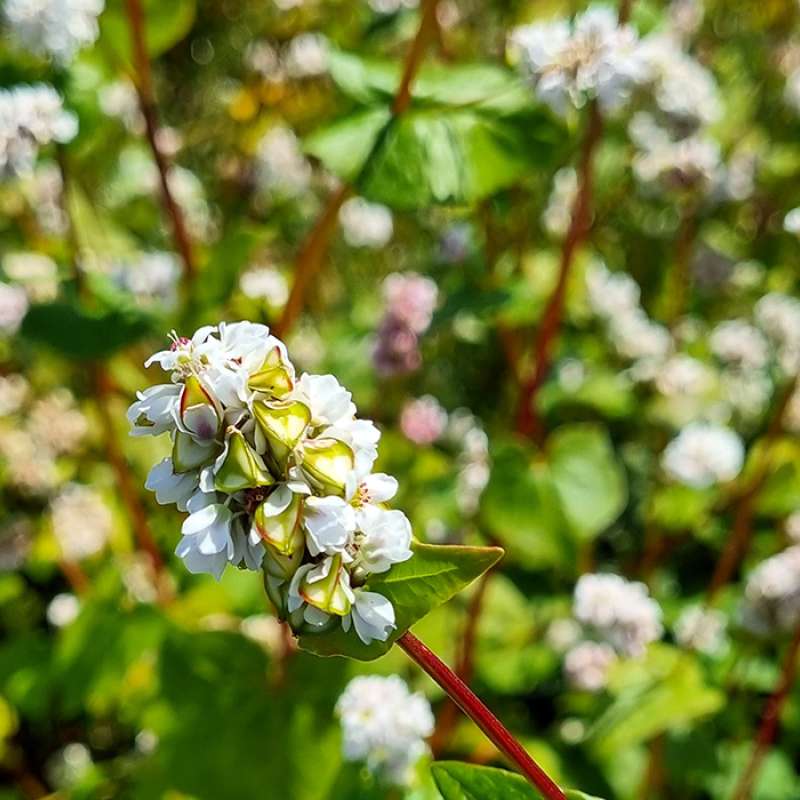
(471, 705)
(739, 541)
(528, 423)
(143, 81)
(312, 253)
(770, 720)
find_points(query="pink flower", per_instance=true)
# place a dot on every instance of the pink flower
(423, 420)
(411, 298)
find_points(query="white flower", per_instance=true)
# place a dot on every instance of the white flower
(119, 99)
(772, 594)
(171, 487)
(683, 375)
(13, 307)
(81, 521)
(586, 665)
(152, 278)
(366, 224)
(306, 56)
(791, 222)
(620, 612)
(63, 609)
(329, 523)
(265, 283)
(595, 58)
(611, 294)
(30, 117)
(778, 315)
(153, 413)
(636, 336)
(372, 616)
(14, 390)
(207, 541)
(281, 166)
(701, 629)
(385, 538)
(330, 403)
(384, 725)
(740, 344)
(557, 216)
(56, 27)
(37, 273)
(703, 455)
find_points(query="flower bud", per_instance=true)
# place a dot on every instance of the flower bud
(327, 463)
(283, 424)
(327, 587)
(274, 377)
(242, 468)
(278, 521)
(188, 455)
(198, 411)
(280, 567)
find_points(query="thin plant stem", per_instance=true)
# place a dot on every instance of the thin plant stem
(143, 80)
(471, 705)
(770, 720)
(75, 575)
(528, 423)
(738, 542)
(311, 255)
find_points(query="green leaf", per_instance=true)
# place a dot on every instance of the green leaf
(574, 794)
(428, 157)
(415, 587)
(79, 333)
(487, 86)
(522, 510)
(587, 477)
(165, 25)
(459, 781)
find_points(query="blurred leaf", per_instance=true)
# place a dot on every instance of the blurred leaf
(459, 781)
(77, 332)
(574, 794)
(588, 478)
(8, 724)
(522, 510)
(663, 692)
(487, 86)
(434, 575)
(166, 23)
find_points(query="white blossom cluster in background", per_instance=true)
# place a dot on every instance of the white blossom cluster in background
(36, 273)
(265, 282)
(557, 215)
(81, 521)
(31, 117)
(58, 28)
(571, 63)
(701, 629)
(366, 224)
(30, 442)
(151, 278)
(703, 455)
(410, 300)
(619, 618)
(276, 472)
(43, 190)
(281, 168)
(302, 57)
(772, 594)
(384, 725)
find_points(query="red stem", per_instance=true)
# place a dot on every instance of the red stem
(147, 105)
(527, 419)
(770, 720)
(470, 704)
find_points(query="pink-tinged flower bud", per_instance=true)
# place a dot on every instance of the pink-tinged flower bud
(327, 463)
(327, 587)
(274, 378)
(198, 411)
(278, 521)
(282, 424)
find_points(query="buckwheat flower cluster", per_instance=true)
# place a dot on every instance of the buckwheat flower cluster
(772, 594)
(778, 315)
(423, 420)
(151, 278)
(30, 117)
(384, 725)
(410, 300)
(13, 307)
(703, 454)
(81, 521)
(366, 224)
(265, 282)
(615, 298)
(59, 28)
(739, 344)
(275, 470)
(557, 215)
(281, 167)
(701, 629)
(569, 64)
(586, 665)
(617, 612)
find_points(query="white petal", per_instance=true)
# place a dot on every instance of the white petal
(373, 616)
(329, 522)
(380, 487)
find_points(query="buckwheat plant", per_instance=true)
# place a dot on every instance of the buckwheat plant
(275, 470)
